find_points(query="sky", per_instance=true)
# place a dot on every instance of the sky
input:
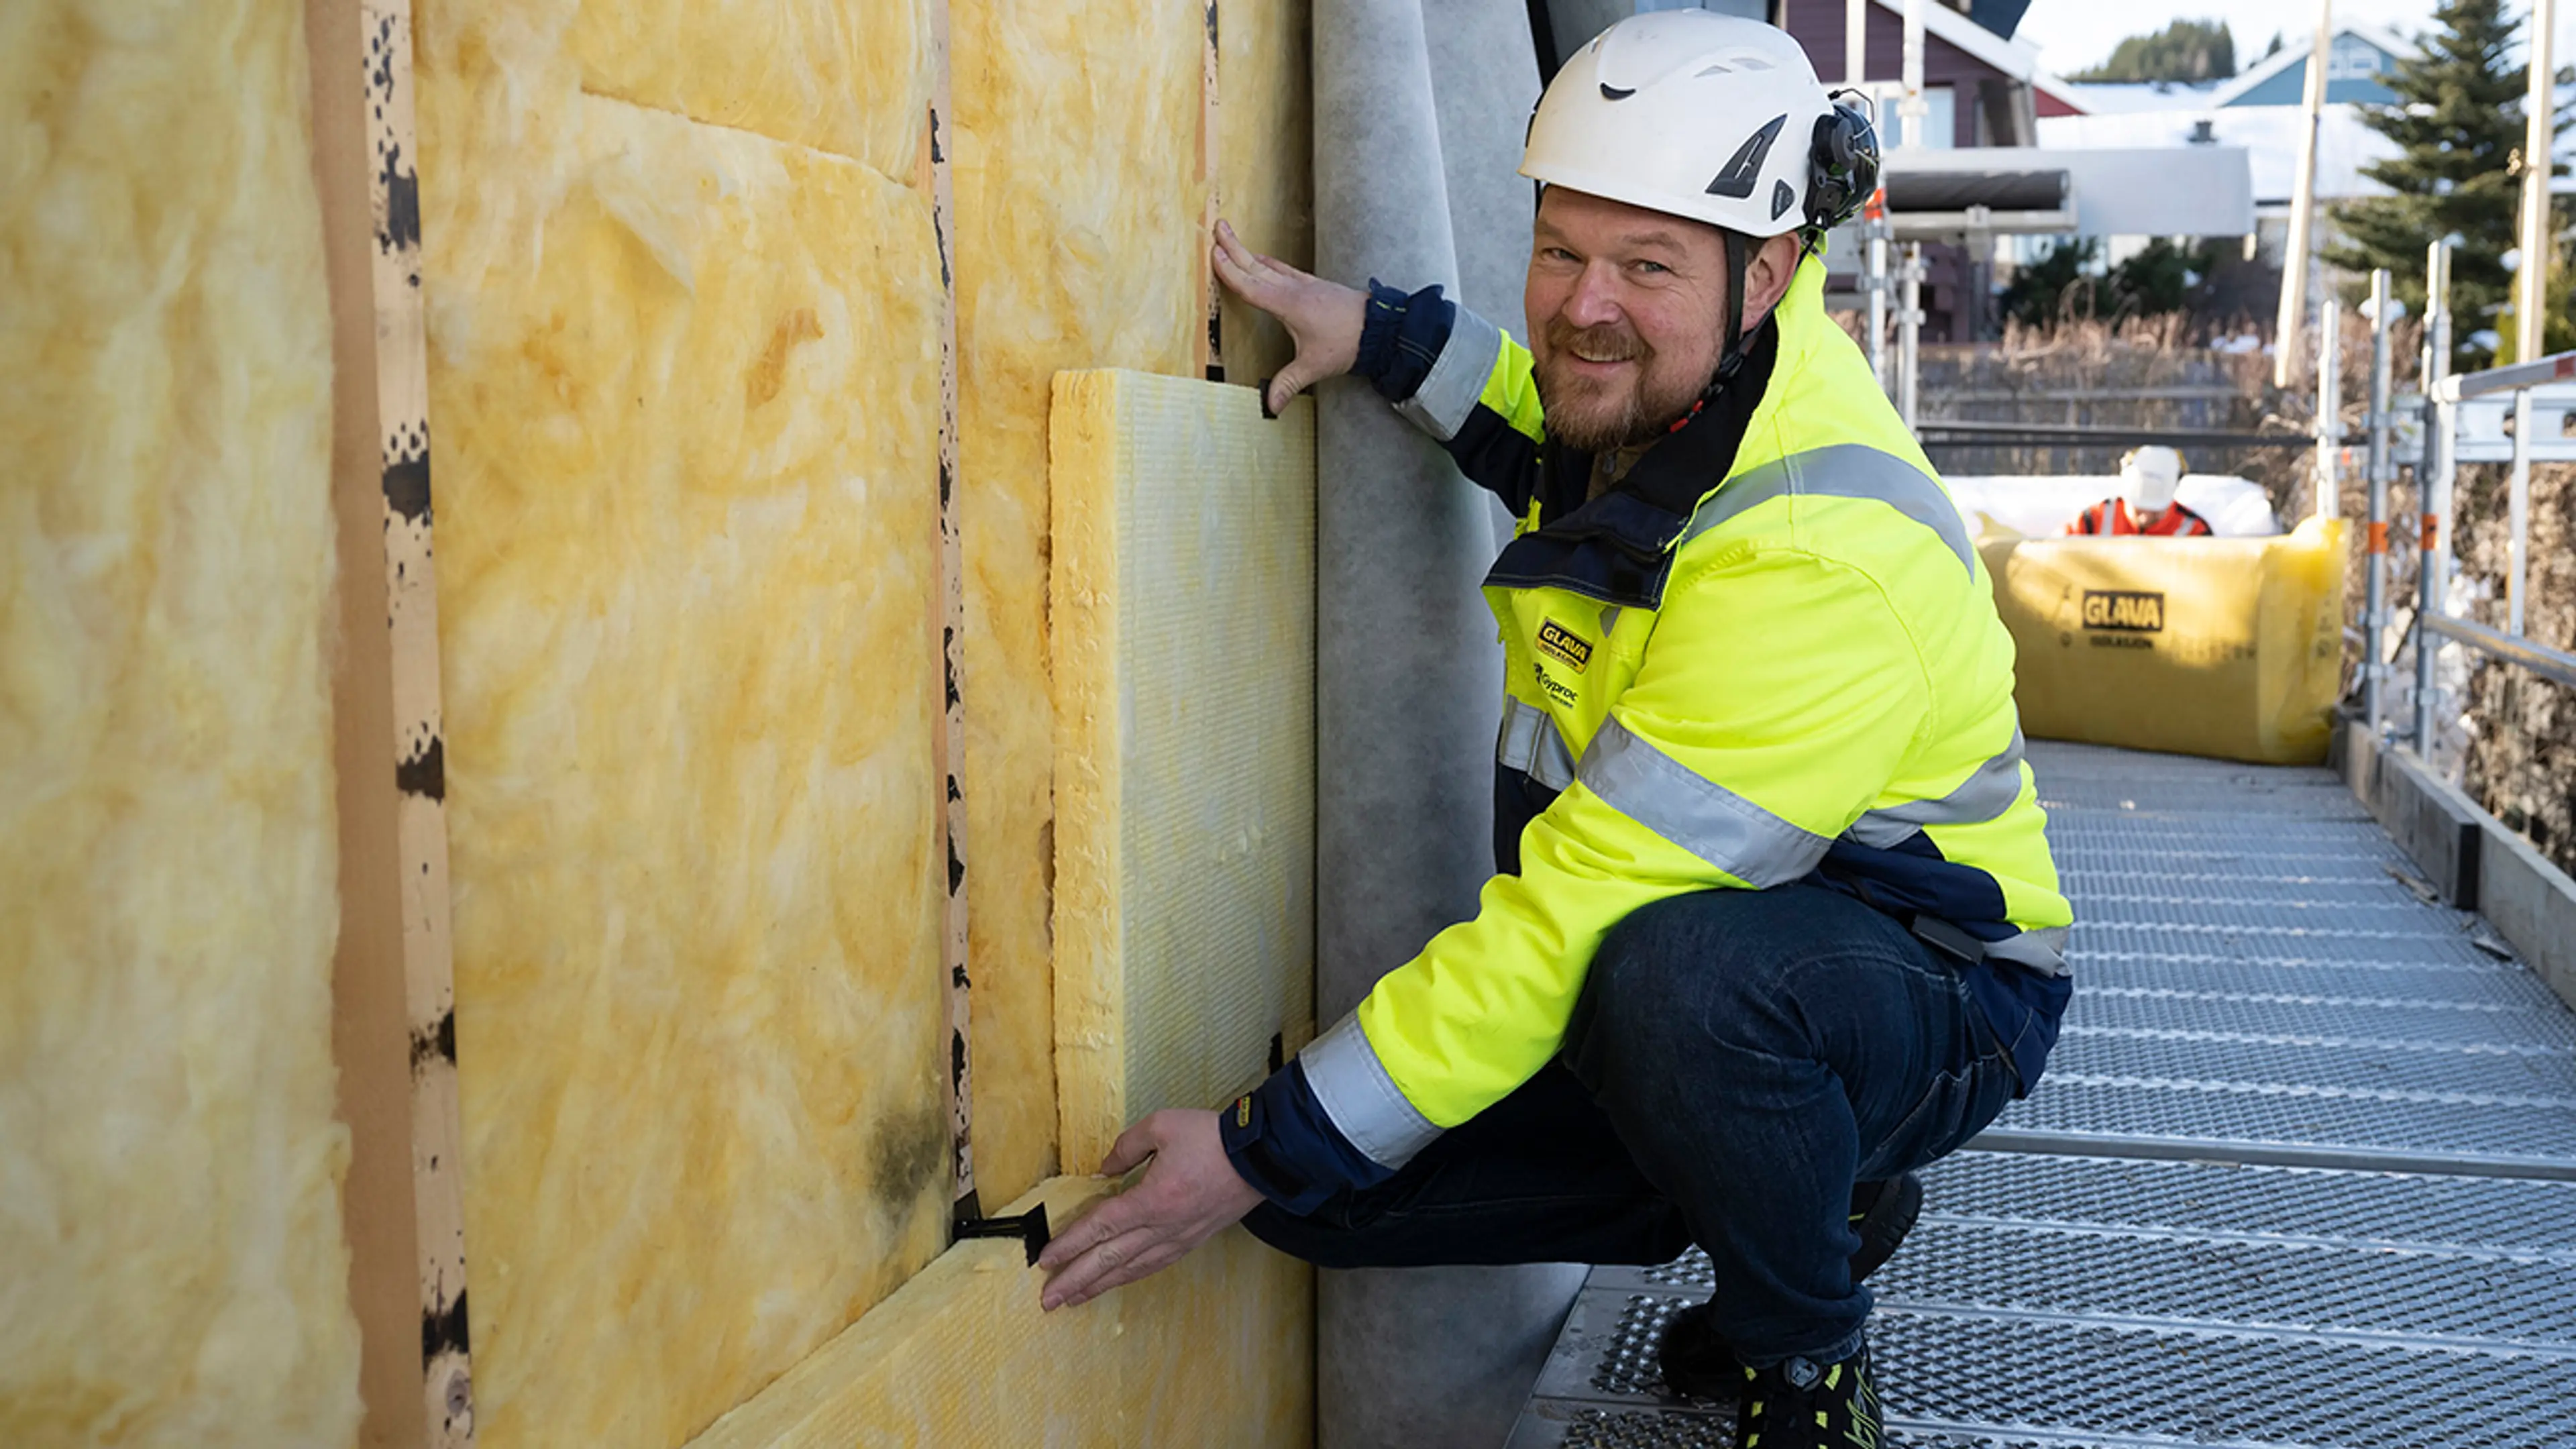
(2074, 34)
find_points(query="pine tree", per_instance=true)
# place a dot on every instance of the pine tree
(2458, 125)
(2185, 51)
(2162, 277)
(2055, 287)
(2064, 284)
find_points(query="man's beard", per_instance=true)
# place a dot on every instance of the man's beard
(1591, 418)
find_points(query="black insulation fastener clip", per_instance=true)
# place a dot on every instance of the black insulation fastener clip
(1029, 1227)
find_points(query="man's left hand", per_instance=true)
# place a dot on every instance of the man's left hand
(1189, 1195)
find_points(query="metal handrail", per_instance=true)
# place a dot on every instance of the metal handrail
(2512, 377)
(2003, 432)
(2436, 474)
(2382, 468)
(2540, 659)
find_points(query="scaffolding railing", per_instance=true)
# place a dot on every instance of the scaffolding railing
(2436, 474)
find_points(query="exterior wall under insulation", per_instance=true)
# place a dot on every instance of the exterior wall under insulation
(684, 298)
(685, 383)
(169, 1164)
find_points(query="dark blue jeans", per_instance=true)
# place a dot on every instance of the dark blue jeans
(1737, 1061)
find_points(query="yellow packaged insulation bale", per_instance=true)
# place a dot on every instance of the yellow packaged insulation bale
(2227, 647)
(172, 1268)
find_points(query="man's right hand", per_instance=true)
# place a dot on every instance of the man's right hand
(1323, 318)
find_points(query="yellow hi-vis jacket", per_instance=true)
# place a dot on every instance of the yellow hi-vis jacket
(1770, 654)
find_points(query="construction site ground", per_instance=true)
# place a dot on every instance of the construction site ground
(2302, 1171)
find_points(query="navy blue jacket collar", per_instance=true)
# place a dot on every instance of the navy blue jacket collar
(1617, 548)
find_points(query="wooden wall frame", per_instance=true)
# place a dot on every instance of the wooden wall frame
(1210, 346)
(949, 612)
(393, 994)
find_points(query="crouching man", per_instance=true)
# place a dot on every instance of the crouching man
(1773, 920)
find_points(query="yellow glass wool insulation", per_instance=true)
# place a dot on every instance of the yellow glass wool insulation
(2228, 647)
(169, 1162)
(1182, 606)
(1079, 205)
(1215, 1350)
(685, 382)
(847, 76)
(1265, 170)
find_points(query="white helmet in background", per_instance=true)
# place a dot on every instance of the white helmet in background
(2149, 477)
(1711, 117)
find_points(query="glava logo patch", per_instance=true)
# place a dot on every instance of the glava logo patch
(2137, 613)
(1564, 645)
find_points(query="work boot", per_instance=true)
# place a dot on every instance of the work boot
(1883, 1213)
(1698, 1364)
(1802, 1404)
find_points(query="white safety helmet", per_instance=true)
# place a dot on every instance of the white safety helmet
(1707, 116)
(2149, 477)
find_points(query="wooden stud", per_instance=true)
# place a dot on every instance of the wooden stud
(950, 740)
(1211, 348)
(393, 985)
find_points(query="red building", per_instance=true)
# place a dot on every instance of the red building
(1981, 88)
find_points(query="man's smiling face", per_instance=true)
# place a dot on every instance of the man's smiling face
(1626, 312)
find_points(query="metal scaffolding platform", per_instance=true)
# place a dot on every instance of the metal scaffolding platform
(2302, 1171)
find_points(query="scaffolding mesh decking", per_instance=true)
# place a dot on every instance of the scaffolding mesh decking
(2303, 1171)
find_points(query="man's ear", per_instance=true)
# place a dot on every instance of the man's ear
(1767, 274)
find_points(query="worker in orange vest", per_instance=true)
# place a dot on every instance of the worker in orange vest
(2145, 504)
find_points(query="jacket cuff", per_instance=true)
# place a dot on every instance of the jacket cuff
(1280, 1140)
(1402, 338)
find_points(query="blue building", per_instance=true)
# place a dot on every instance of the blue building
(2356, 71)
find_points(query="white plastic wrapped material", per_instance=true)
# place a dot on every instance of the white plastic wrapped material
(2041, 507)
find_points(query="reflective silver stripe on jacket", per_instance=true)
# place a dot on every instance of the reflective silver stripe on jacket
(1447, 396)
(1373, 1113)
(2043, 950)
(1530, 744)
(1845, 470)
(1985, 795)
(1701, 816)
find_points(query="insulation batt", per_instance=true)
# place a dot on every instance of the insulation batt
(1079, 201)
(1051, 274)
(1265, 170)
(1182, 606)
(169, 1165)
(685, 382)
(844, 76)
(963, 1359)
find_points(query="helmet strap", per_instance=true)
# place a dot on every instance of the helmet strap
(1730, 353)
